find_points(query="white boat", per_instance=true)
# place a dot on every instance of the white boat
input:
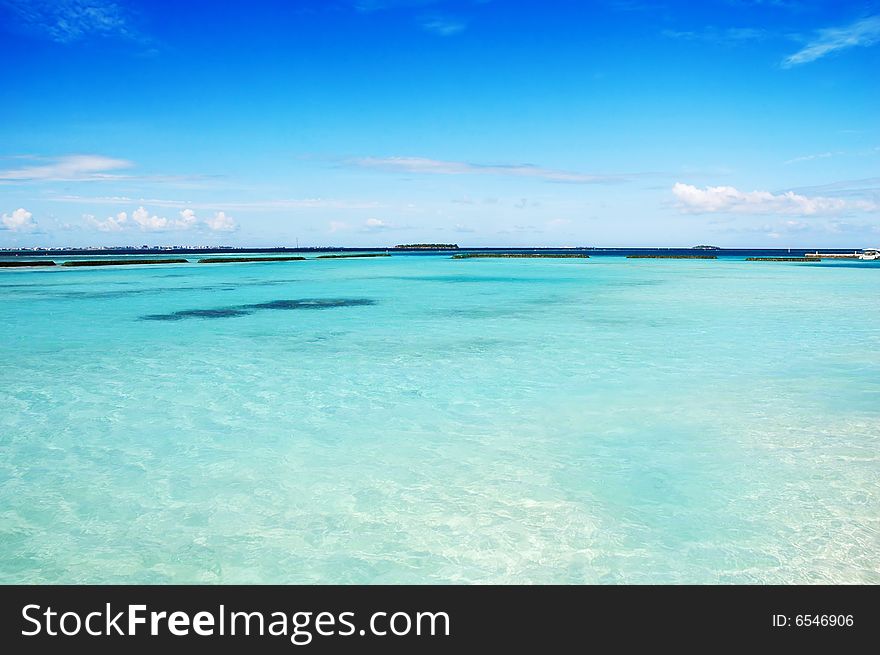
(870, 254)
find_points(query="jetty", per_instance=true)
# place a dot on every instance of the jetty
(121, 262)
(366, 254)
(24, 264)
(832, 255)
(783, 259)
(672, 257)
(519, 255)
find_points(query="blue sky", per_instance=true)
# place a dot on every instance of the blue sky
(481, 122)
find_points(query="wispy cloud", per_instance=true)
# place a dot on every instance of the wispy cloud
(793, 228)
(422, 165)
(521, 229)
(367, 6)
(442, 25)
(67, 169)
(728, 199)
(91, 168)
(377, 225)
(66, 21)
(820, 155)
(251, 205)
(865, 187)
(713, 34)
(434, 22)
(633, 5)
(864, 32)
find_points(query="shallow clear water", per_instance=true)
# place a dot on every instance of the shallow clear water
(433, 420)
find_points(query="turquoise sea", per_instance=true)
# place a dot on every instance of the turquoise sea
(419, 419)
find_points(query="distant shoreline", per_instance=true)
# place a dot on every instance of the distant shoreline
(616, 251)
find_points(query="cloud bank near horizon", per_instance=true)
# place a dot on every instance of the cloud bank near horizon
(728, 199)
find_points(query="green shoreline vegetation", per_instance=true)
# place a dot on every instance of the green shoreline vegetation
(426, 246)
(122, 262)
(517, 255)
(234, 260)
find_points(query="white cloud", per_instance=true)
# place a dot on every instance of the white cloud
(864, 32)
(338, 226)
(728, 199)
(143, 219)
(187, 219)
(67, 169)
(220, 222)
(20, 220)
(424, 165)
(112, 224)
(376, 225)
(149, 223)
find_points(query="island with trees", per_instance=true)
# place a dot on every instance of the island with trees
(427, 246)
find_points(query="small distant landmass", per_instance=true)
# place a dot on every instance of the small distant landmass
(427, 246)
(706, 248)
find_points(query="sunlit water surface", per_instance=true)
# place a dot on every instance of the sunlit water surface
(421, 419)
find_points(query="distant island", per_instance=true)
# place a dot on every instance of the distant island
(705, 248)
(427, 246)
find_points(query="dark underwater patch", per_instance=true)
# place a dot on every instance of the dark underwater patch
(633, 283)
(107, 294)
(228, 312)
(473, 279)
(121, 293)
(255, 282)
(32, 285)
(244, 310)
(313, 303)
(483, 312)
